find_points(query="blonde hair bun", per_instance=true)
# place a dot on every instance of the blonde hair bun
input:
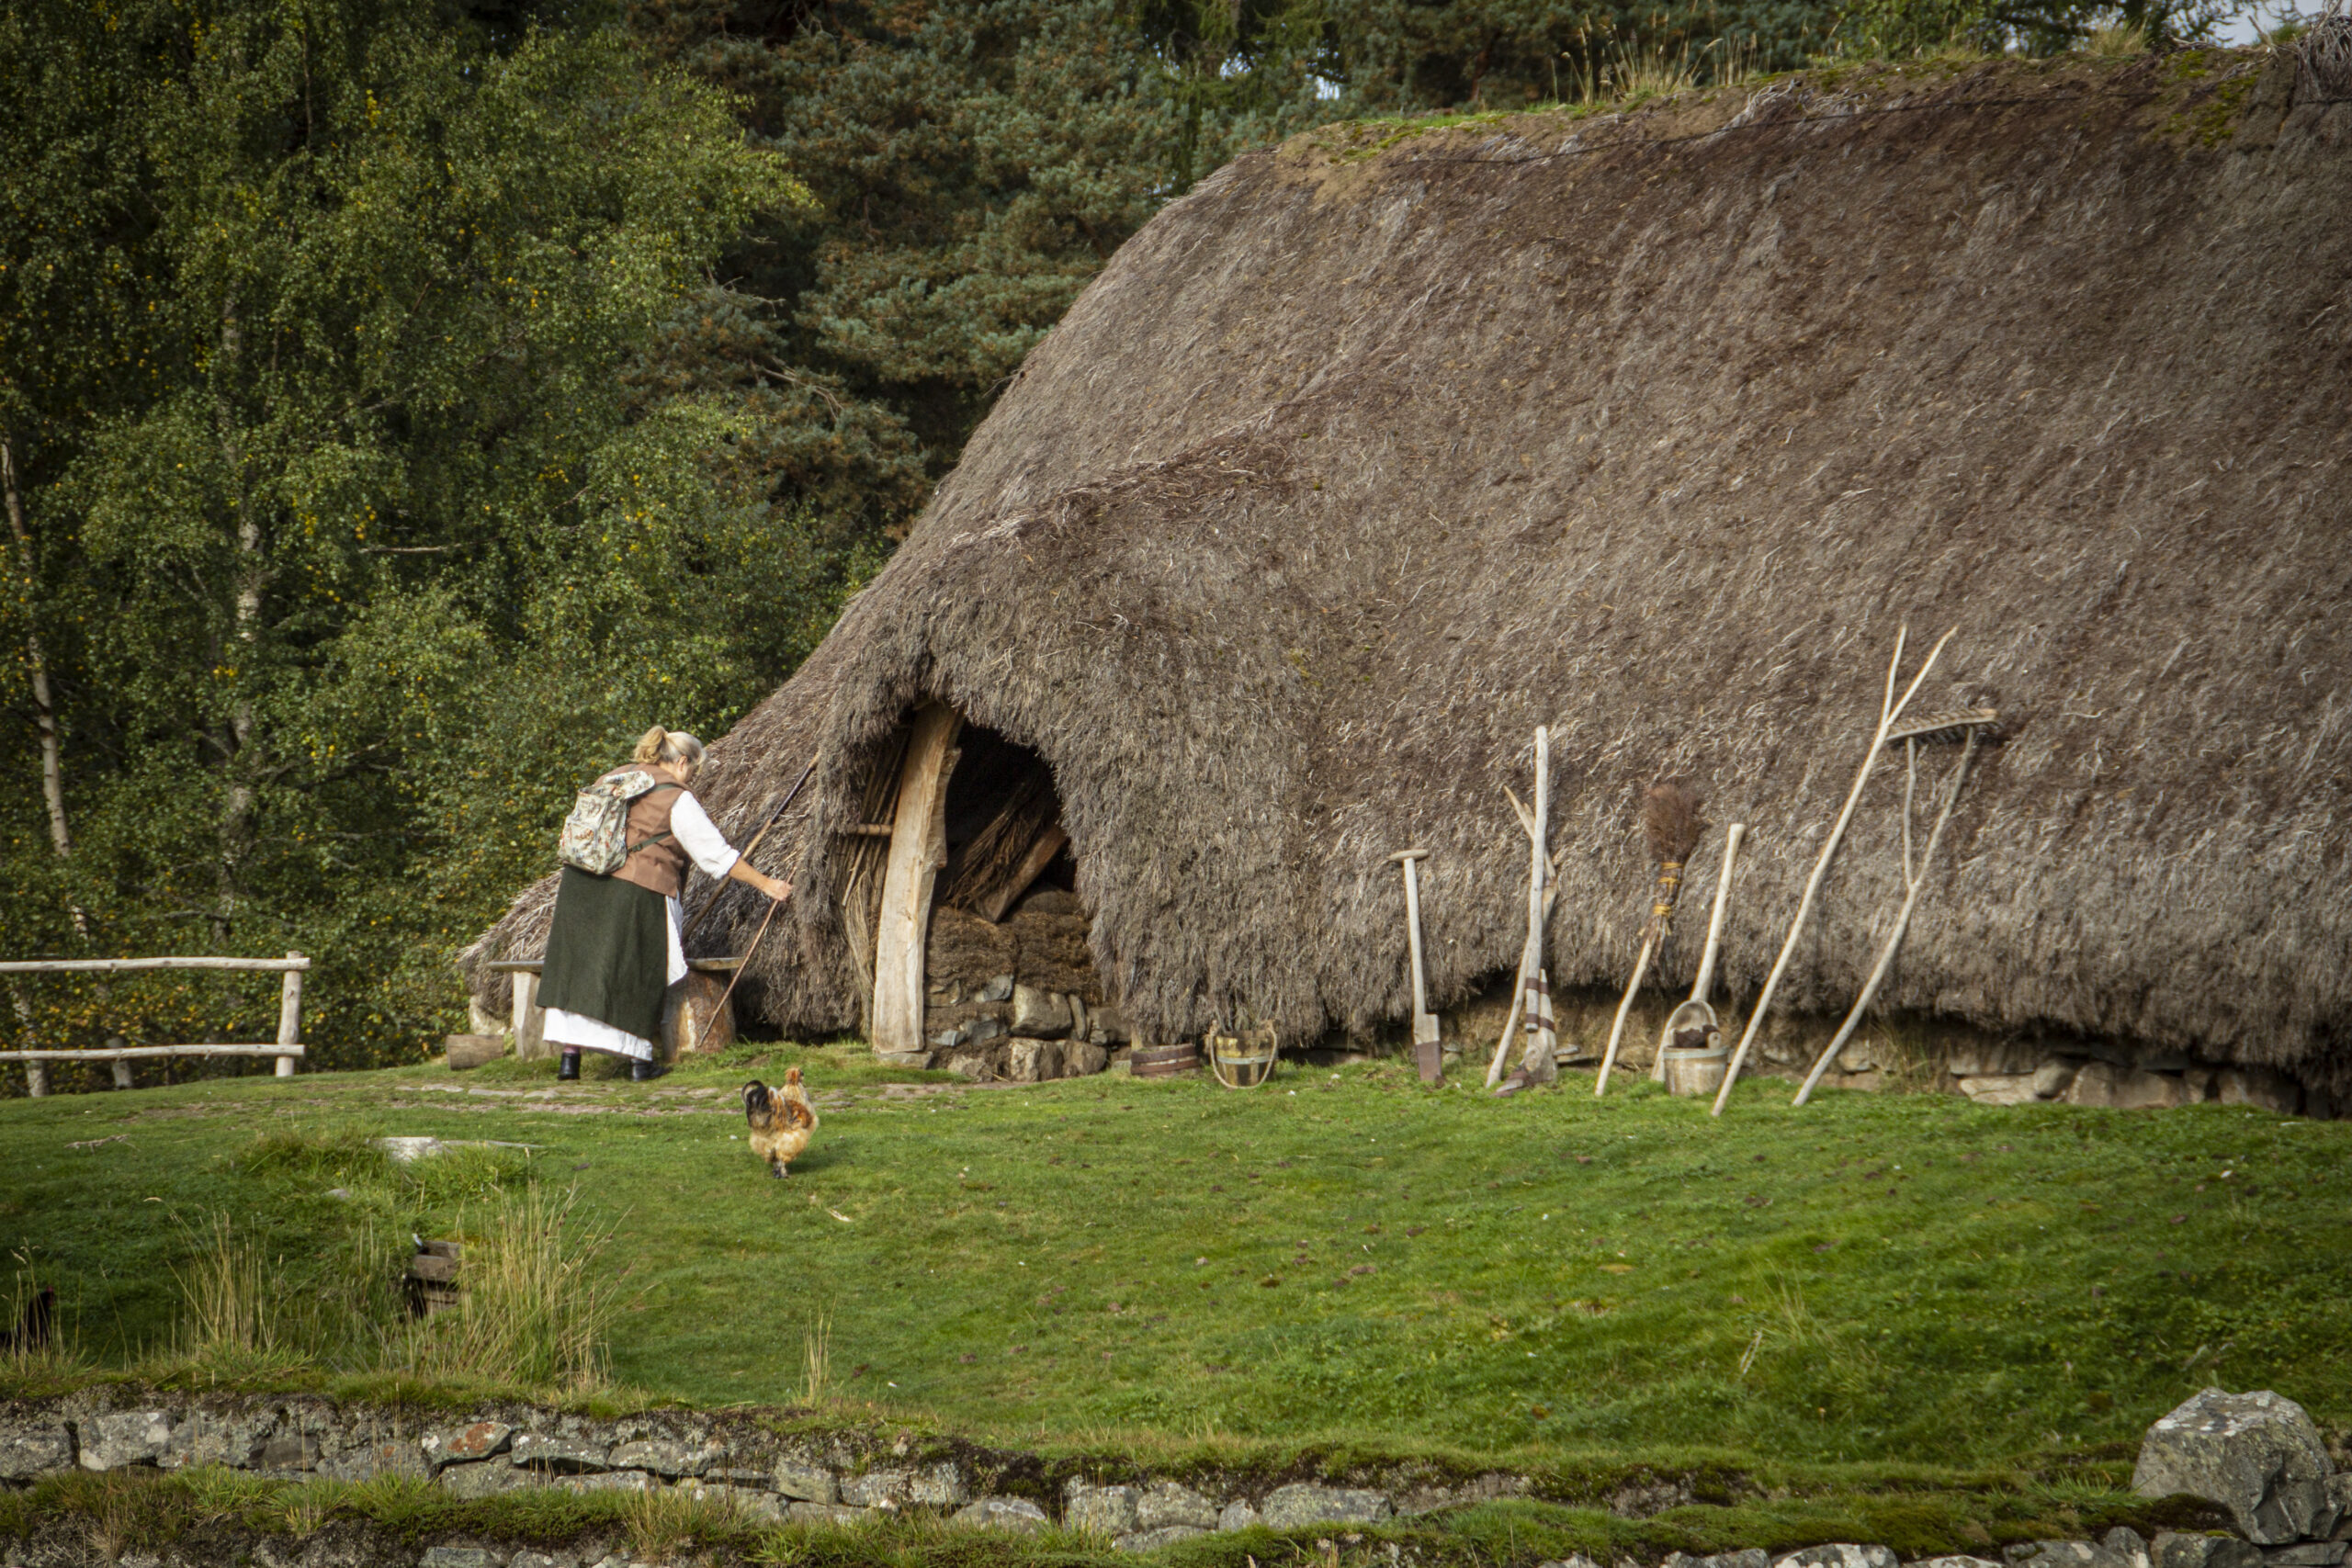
(673, 747)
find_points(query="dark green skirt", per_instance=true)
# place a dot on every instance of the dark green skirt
(608, 953)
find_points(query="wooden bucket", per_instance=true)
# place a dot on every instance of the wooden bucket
(1699, 1072)
(1244, 1060)
(1163, 1061)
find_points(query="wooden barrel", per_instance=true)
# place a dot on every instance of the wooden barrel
(1691, 1073)
(1163, 1061)
(693, 1023)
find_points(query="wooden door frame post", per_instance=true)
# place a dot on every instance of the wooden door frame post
(918, 849)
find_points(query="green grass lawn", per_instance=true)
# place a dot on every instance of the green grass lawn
(1341, 1257)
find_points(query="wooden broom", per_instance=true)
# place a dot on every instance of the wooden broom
(1671, 823)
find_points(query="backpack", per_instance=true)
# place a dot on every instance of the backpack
(595, 836)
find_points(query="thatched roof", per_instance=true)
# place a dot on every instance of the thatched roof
(1375, 452)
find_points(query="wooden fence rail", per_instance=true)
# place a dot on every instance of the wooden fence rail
(288, 1047)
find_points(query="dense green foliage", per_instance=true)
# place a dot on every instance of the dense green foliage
(348, 542)
(1340, 1256)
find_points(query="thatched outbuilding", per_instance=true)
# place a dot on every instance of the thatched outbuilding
(1383, 448)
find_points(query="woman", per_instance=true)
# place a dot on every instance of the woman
(614, 947)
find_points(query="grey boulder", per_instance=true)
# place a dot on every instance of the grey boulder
(1113, 1511)
(1165, 1503)
(28, 1450)
(2256, 1454)
(130, 1437)
(806, 1482)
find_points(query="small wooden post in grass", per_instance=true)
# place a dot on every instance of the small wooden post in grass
(37, 1079)
(1427, 1057)
(290, 1014)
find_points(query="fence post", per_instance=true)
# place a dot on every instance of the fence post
(36, 1079)
(121, 1064)
(289, 1017)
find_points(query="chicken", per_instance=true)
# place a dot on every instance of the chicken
(782, 1121)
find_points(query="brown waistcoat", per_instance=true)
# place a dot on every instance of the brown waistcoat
(659, 865)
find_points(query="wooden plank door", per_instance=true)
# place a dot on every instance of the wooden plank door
(918, 849)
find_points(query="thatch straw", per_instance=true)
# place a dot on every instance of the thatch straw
(1356, 465)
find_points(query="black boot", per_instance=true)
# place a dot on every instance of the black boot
(644, 1072)
(567, 1066)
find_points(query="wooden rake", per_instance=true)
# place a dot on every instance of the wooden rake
(1890, 715)
(1974, 721)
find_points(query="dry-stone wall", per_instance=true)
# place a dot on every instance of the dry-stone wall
(2257, 1455)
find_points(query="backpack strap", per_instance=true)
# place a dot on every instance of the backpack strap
(665, 833)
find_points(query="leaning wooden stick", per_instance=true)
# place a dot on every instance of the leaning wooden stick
(1706, 979)
(1902, 923)
(1671, 823)
(1426, 1058)
(1531, 956)
(773, 816)
(737, 979)
(1889, 711)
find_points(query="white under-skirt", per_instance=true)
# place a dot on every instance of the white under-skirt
(574, 1031)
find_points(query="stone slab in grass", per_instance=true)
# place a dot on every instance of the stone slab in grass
(671, 1460)
(480, 1478)
(1153, 1540)
(1303, 1503)
(2256, 1454)
(1841, 1554)
(561, 1456)
(1015, 1513)
(462, 1445)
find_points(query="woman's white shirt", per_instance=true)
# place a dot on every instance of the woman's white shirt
(703, 842)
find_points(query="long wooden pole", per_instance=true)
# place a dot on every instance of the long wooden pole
(1531, 956)
(1617, 1029)
(773, 816)
(1901, 924)
(1889, 711)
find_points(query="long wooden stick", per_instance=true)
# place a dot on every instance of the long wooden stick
(1706, 979)
(737, 979)
(1901, 924)
(1531, 956)
(1617, 1030)
(1890, 709)
(773, 817)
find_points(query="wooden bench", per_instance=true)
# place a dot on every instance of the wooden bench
(689, 1023)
